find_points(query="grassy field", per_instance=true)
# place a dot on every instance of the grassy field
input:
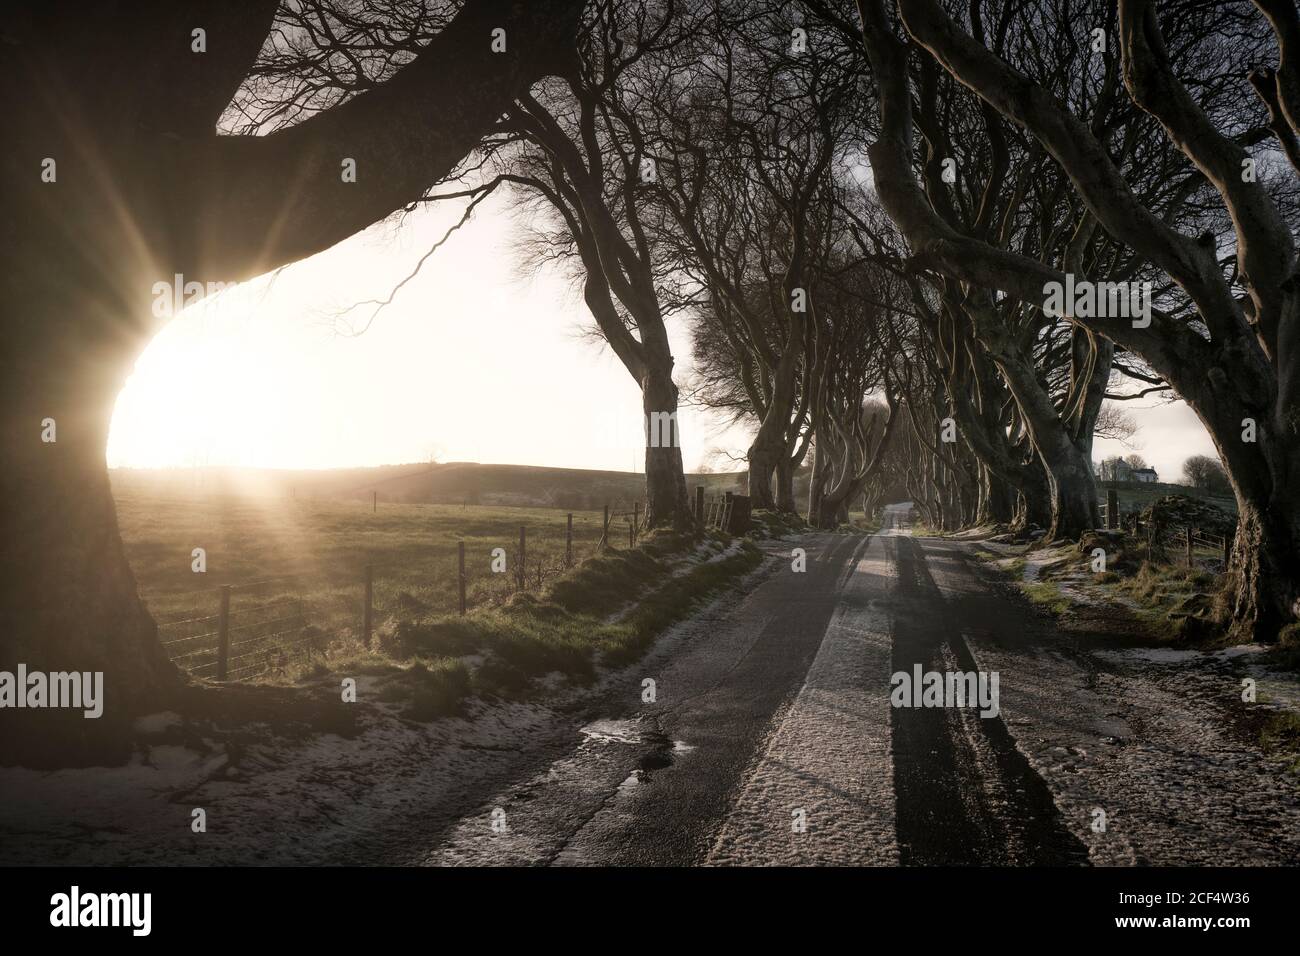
(452, 483)
(1134, 496)
(319, 549)
(276, 552)
(296, 568)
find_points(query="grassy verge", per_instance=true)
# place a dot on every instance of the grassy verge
(1171, 602)
(605, 612)
(1280, 736)
(861, 525)
(1167, 591)
(1047, 595)
(776, 524)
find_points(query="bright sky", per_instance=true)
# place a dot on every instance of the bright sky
(470, 362)
(1168, 434)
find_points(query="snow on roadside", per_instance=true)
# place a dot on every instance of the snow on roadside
(1280, 689)
(271, 800)
(275, 800)
(1146, 736)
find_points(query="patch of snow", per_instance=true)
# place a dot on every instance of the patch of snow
(1151, 655)
(155, 725)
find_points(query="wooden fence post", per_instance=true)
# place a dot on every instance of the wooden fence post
(604, 531)
(1112, 508)
(699, 506)
(568, 541)
(1189, 547)
(523, 557)
(460, 577)
(223, 634)
(367, 613)
(636, 519)
(374, 502)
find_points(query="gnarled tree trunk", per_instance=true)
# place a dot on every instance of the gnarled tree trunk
(667, 503)
(145, 189)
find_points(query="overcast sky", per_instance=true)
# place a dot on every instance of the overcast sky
(470, 362)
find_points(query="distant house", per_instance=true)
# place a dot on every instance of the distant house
(1117, 469)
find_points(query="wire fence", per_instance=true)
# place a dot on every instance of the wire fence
(262, 628)
(1197, 547)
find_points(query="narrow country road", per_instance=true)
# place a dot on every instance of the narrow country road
(770, 739)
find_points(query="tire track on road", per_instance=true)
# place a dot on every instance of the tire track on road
(965, 794)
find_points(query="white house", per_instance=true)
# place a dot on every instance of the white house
(1145, 474)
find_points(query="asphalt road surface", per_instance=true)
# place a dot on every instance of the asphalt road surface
(771, 739)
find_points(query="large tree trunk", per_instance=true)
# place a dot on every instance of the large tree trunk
(145, 189)
(1073, 496)
(834, 511)
(785, 500)
(1262, 590)
(667, 502)
(69, 596)
(1261, 593)
(816, 482)
(768, 450)
(763, 458)
(997, 499)
(1035, 499)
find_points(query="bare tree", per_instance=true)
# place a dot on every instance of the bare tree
(1206, 474)
(750, 138)
(1220, 331)
(117, 180)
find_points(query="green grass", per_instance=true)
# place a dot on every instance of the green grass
(1047, 595)
(326, 545)
(607, 609)
(1135, 496)
(1169, 592)
(776, 524)
(605, 612)
(1280, 736)
(301, 562)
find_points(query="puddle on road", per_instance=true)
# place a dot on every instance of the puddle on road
(661, 750)
(617, 731)
(657, 760)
